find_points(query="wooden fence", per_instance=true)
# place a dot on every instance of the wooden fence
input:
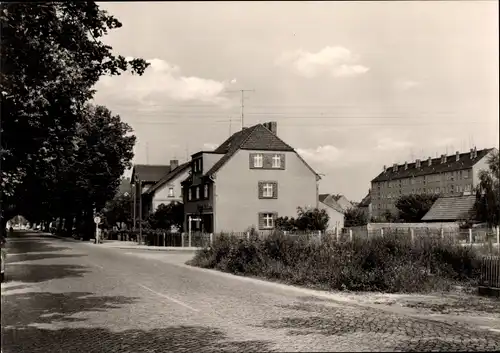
(490, 272)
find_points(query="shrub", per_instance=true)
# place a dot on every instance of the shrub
(391, 263)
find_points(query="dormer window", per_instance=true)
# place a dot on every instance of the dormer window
(190, 195)
(258, 161)
(205, 191)
(276, 161)
(197, 193)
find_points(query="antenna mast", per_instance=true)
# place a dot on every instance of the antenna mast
(242, 91)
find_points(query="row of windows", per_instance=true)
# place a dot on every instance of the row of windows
(447, 176)
(267, 161)
(197, 190)
(437, 190)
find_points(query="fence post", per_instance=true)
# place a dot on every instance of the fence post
(182, 239)
(442, 233)
(350, 235)
(211, 238)
(248, 235)
(470, 236)
(164, 236)
(337, 235)
(381, 232)
(412, 234)
(319, 235)
(189, 239)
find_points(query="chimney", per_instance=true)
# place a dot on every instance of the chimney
(471, 153)
(174, 163)
(443, 158)
(272, 126)
(395, 167)
(475, 152)
(429, 161)
(417, 163)
(457, 156)
(385, 168)
(406, 165)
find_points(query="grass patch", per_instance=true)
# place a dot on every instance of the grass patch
(390, 264)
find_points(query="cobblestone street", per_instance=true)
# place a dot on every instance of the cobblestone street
(65, 296)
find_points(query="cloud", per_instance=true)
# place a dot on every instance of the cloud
(336, 61)
(210, 146)
(163, 81)
(390, 144)
(405, 85)
(321, 154)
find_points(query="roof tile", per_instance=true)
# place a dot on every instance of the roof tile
(450, 208)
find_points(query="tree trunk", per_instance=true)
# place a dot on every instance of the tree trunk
(69, 225)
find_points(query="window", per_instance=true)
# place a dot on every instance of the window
(197, 193)
(465, 174)
(266, 220)
(190, 195)
(276, 161)
(170, 192)
(268, 190)
(258, 161)
(205, 191)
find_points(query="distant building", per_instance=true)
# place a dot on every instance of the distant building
(366, 205)
(168, 189)
(143, 177)
(335, 212)
(343, 202)
(453, 175)
(451, 209)
(249, 180)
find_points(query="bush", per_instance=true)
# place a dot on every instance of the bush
(391, 263)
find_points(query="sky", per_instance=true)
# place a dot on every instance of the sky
(353, 86)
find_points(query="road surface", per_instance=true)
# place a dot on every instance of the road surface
(65, 296)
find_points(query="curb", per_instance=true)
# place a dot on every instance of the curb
(179, 249)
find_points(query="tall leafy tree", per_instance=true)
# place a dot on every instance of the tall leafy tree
(413, 207)
(118, 211)
(167, 216)
(51, 57)
(487, 206)
(355, 217)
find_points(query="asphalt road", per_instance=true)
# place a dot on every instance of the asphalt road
(64, 296)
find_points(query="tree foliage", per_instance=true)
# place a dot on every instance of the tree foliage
(118, 211)
(52, 56)
(355, 217)
(411, 208)
(307, 220)
(487, 205)
(167, 216)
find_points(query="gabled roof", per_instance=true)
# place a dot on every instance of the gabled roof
(256, 137)
(329, 200)
(436, 166)
(181, 168)
(150, 173)
(451, 208)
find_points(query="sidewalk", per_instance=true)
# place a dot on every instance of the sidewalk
(127, 245)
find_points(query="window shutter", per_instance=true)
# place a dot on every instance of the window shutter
(275, 189)
(250, 162)
(261, 220)
(282, 157)
(260, 190)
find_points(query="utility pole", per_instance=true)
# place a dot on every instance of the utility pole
(242, 91)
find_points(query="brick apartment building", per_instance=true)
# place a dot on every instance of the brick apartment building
(447, 176)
